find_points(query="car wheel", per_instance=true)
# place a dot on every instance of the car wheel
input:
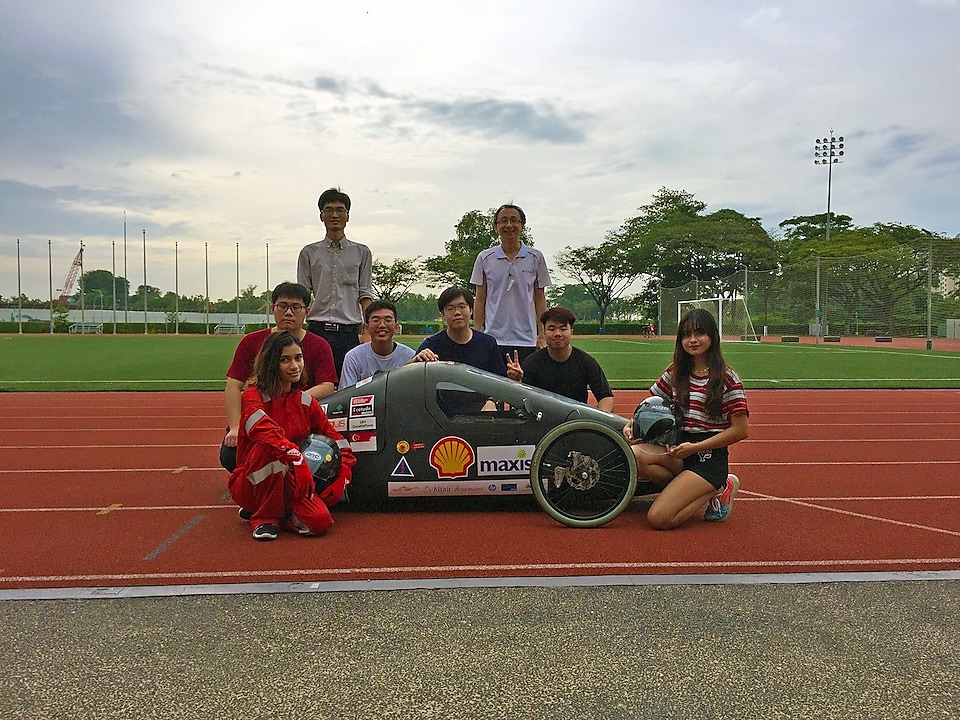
(583, 473)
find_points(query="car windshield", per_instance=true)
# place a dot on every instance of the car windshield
(459, 401)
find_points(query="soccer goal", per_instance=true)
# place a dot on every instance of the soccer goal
(732, 314)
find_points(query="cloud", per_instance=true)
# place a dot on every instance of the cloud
(326, 83)
(76, 211)
(489, 117)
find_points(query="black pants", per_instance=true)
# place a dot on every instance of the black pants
(522, 352)
(341, 342)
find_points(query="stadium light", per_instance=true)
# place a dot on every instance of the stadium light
(828, 151)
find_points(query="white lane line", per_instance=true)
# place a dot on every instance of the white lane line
(752, 441)
(180, 469)
(100, 446)
(537, 567)
(230, 506)
(805, 463)
(888, 521)
(118, 508)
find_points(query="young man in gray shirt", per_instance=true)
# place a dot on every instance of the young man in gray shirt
(338, 274)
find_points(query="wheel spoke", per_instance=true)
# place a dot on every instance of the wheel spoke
(582, 474)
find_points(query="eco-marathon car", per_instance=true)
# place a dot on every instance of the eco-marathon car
(442, 429)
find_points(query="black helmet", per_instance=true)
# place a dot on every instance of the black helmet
(657, 421)
(323, 459)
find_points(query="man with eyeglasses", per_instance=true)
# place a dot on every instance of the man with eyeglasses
(511, 279)
(382, 353)
(459, 342)
(288, 303)
(338, 273)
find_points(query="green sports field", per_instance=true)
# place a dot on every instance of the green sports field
(198, 362)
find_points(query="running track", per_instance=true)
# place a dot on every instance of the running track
(123, 489)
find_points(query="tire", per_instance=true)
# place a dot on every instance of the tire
(583, 474)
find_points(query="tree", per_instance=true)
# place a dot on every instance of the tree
(475, 234)
(575, 298)
(153, 298)
(605, 271)
(392, 282)
(806, 234)
(414, 308)
(878, 274)
(672, 240)
(61, 318)
(104, 281)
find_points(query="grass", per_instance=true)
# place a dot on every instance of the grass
(199, 362)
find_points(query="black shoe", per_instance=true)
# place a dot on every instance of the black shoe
(245, 514)
(267, 531)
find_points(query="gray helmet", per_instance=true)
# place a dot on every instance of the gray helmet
(323, 459)
(657, 421)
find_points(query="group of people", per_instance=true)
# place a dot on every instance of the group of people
(278, 374)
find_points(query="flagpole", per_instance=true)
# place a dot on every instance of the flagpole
(19, 292)
(145, 331)
(126, 276)
(206, 276)
(176, 287)
(113, 271)
(50, 280)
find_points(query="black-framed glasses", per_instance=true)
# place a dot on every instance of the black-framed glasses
(283, 307)
(334, 211)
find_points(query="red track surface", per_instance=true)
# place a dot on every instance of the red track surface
(123, 489)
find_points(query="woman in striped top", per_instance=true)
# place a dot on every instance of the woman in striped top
(694, 472)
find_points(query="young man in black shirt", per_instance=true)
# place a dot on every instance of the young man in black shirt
(560, 367)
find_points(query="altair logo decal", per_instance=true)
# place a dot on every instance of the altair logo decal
(451, 457)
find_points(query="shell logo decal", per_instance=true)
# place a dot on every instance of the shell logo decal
(451, 457)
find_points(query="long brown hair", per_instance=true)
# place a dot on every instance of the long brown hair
(698, 320)
(266, 368)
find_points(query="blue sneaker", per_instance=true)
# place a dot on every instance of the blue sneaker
(720, 505)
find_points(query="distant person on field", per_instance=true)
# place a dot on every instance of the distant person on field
(288, 302)
(510, 281)
(382, 353)
(337, 272)
(459, 342)
(273, 484)
(694, 473)
(560, 367)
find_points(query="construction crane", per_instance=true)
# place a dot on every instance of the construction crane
(72, 274)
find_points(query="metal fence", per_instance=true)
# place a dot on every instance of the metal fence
(890, 293)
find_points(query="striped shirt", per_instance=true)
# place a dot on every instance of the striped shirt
(695, 418)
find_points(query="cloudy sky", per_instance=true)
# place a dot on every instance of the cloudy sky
(220, 123)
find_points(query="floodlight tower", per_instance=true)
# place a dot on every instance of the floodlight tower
(826, 151)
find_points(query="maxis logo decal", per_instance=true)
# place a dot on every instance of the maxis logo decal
(504, 460)
(452, 457)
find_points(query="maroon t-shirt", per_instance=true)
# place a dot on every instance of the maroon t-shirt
(317, 358)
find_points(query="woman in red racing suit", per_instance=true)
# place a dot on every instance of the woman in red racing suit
(273, 484)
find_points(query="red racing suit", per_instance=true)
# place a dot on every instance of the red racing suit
(265, 483)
